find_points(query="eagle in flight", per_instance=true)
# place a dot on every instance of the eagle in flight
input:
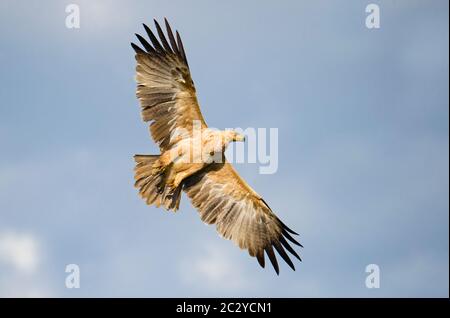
(192, 155)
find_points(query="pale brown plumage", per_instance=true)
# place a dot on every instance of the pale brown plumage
(168, 99)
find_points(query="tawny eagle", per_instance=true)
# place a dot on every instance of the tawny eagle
(168, 100)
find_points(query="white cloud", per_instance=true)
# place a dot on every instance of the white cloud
(22, 273)
(21, 251)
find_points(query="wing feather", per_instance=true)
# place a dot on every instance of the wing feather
(171, 38)
(164, 86)
(163, 37)
(239, 213)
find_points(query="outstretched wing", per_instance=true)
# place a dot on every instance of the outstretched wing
(239, 213)
(164, 86)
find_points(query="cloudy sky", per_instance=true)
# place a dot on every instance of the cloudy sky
(362, 118)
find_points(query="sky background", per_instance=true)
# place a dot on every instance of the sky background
(363, 125)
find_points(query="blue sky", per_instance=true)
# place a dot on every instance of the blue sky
(363, 147)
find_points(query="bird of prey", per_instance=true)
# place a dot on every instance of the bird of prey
(192, 155)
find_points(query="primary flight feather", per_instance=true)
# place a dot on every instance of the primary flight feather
(192, 155)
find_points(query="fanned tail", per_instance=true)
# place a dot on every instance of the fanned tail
(150, 180)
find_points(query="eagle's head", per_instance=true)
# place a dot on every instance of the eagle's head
(231, 136)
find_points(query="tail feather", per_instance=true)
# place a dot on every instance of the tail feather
(150, 180)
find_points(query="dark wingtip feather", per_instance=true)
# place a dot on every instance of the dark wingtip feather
(137, 49)
(181, 48)
(289, 248)
(287, 228)
(153, 38)
(260, 258)
(173, 43)
(145, 27)
(144, 42)
(290, 238)
(162, 37)
(284, 255)
(272, 258)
